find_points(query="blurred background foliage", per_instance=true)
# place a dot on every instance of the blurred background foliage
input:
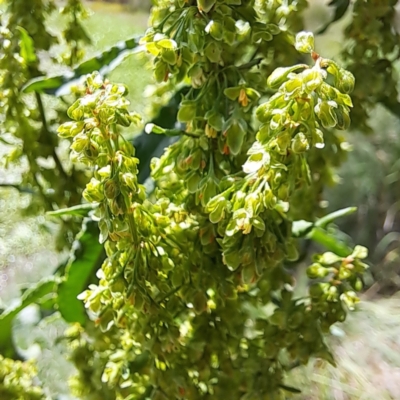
(369, 358)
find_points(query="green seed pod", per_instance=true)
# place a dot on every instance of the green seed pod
(193, 182)
(292, 254)
(280, 75)
(161, 71)
(235, 135)
(300, 143)
(215, 120)
(215, 29)
(111, 189)
(346, 81)
(205, 5)
(169, 56)
(187, 111)
(208, 191)
(199, 303)
(213, 52)
(218, 213)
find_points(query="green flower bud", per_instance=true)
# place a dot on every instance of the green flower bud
(280, 75)
(80, 142)
(346, 81)
(360, 252)
(324, 111)
(300, 143)
(304, 42)
(93, 191)
(317, 290)
(317, 271)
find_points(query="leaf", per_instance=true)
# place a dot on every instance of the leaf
(27, 47)
(104, 62)
(87, 257)
(289, 389)
(341, 7)
(35, 294)
(330, 242)
(301, 228)
(153, 144)
(81, 210)
(328, 219)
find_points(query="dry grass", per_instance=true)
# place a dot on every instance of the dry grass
(367, 349)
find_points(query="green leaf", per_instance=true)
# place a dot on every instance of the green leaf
(105, 62)
(27, 47)
(35, 294)
(152, 128)
(88, 255)
(81, 210)
(328, 219)
(329, 242)
(153, 144)
(289, 389)
(301, 228)
(341, 7)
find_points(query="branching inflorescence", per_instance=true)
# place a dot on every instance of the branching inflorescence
(196, 285)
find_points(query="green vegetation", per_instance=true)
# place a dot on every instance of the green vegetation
(197, 297)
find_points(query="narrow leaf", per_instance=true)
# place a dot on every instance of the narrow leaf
(329, 242)
(301, 228)
(86, 258)
(81, 210)
(104, 62)
(328, 219)
(35, 294)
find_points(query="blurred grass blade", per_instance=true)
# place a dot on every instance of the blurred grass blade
(35, 294)
(104, 62)
(328, 219)
(81, 210)
(87, 256)
(302, 228)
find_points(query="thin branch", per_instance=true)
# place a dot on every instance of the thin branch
(48, 133)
